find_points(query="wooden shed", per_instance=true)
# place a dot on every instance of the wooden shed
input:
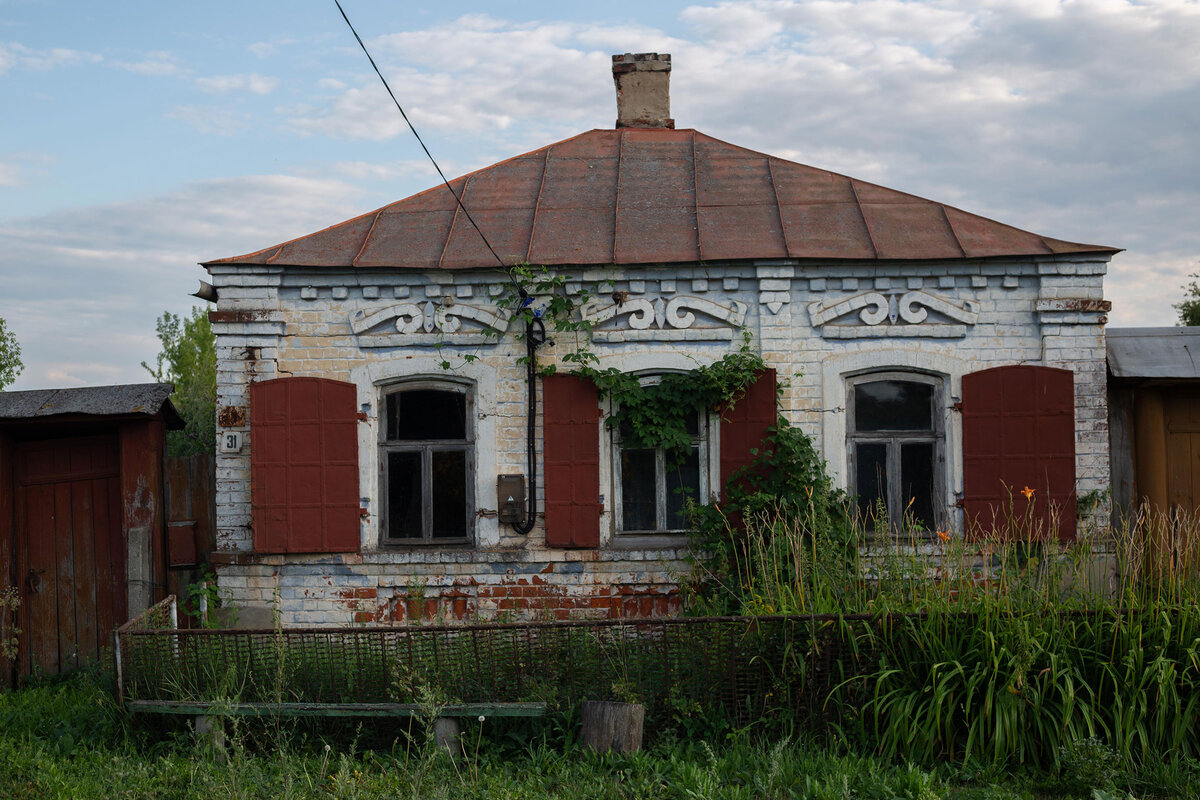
(1154, 417)
(82, 525)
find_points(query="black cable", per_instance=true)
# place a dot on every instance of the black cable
(535, 329)
(535, 334)
(421, 141)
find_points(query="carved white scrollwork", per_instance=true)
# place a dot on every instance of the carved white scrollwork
(417, 324)
(664, 319)
(906, 313)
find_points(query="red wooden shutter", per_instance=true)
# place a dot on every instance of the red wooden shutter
(1018, 433)
(571, 431)
(744, 426)
(304, 466)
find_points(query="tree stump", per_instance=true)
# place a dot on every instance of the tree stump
(609, 726)
(445, 734)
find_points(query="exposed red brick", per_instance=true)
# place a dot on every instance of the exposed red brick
(237, 316)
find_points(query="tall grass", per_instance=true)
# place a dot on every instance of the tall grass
(1009, 647)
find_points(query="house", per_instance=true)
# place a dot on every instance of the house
(83, 529)
(375, 437)
(1154, 417)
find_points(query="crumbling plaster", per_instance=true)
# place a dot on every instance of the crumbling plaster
(298, 322)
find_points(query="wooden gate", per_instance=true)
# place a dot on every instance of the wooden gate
(70, 553)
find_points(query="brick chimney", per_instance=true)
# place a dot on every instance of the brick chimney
(643, 90)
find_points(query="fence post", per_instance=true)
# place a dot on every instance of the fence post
(117, 667)
(174, 613)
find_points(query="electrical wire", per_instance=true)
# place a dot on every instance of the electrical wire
(535, 329)
(421, 141)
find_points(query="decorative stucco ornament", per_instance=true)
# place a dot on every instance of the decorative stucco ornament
(426, 324)
(906, 315)
(664, 320)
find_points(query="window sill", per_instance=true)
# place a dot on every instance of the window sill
(649, 541)
(392, 546)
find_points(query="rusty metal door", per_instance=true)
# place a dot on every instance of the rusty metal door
(69, 549)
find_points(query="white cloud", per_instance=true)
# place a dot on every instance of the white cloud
(477, 74)
(157, 64)
(217, 120)
(83, 288)
(10, 175)
(13, 55)
(250, 82)
(362, 170)
(270, 48)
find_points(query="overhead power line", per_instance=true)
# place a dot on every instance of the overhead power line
(421, 141)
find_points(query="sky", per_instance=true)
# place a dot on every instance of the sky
(140, 138)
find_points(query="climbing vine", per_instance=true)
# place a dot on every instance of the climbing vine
(655, 414)
(651, 414)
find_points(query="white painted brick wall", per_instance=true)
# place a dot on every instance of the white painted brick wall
(308, 332)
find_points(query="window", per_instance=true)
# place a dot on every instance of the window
(653, 485)
(895, 441)
(427, 459)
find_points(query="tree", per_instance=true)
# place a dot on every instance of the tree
(189, 360)
(1189, 307)
(10, 356)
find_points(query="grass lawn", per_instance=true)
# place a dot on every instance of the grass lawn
(67, 740)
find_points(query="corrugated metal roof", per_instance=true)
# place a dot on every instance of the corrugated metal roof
(1154, 352)
(648, 196)
(125, 399)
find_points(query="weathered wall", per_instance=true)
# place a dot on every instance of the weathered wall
(816, 324)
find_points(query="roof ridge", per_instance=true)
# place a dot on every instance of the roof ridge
(696, 200)
(617, 193)
(458, 207)
(866, 222)
(365, 241)
(537, 204)
(942, 210)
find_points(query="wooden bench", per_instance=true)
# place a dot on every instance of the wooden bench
(217, 708)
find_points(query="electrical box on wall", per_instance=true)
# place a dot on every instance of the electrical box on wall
(510, 494)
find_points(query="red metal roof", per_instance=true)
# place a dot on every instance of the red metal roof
(652, 196)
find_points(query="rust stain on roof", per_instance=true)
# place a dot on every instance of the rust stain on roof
(653, 196)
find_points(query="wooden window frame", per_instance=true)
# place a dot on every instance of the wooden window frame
(703, 439)
(426, 448)
(894, 439)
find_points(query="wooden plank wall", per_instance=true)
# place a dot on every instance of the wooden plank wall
(8, 577)
(191, 511)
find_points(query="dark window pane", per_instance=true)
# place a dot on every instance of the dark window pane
(449, 494)
(870, 469)
(893, 406)
(637, 490)
(683, 482)
(426, 414)
(692, 423)
(404, 495)
(916, 483)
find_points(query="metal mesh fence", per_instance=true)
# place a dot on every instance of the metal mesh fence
(747, 669)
